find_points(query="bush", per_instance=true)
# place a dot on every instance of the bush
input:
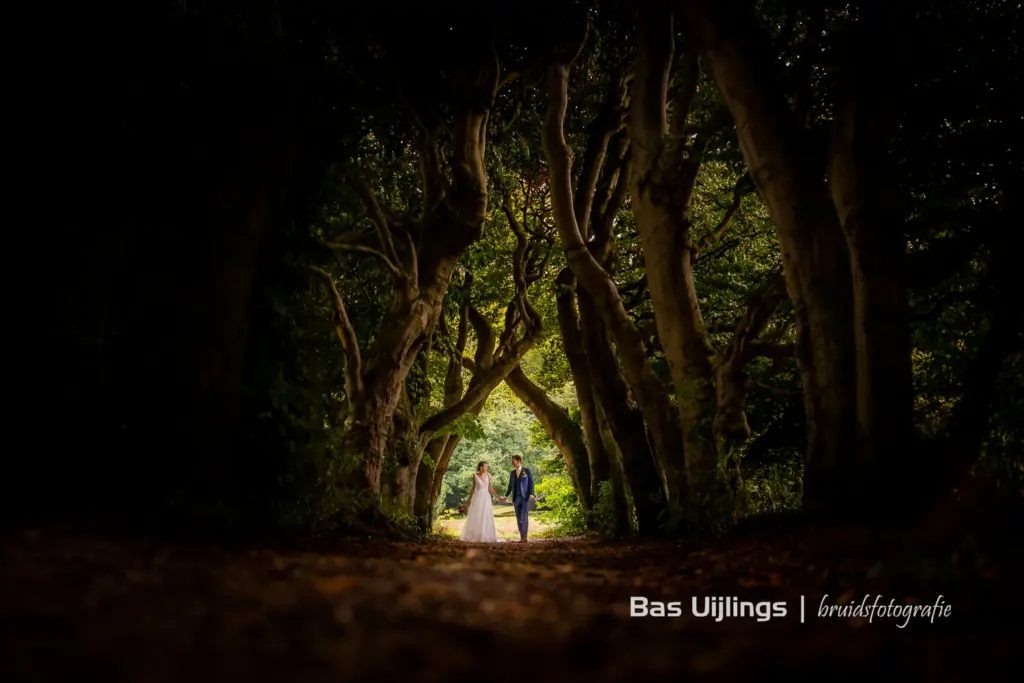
(564, 511)
(776, 487)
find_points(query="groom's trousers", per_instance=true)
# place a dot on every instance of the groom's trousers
(522, 508)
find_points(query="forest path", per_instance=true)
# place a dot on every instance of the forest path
(447, 611)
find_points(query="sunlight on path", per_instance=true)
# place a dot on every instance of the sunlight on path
(504, 521)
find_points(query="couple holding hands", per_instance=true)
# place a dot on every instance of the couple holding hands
(479, 526)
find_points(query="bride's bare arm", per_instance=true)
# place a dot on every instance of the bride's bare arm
(490, 487)
(472, 490)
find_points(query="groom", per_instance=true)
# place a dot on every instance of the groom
(520, 485)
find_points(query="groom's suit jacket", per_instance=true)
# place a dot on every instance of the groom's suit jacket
(521, 488)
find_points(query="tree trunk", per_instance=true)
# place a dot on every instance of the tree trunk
(779, 155)
(661, 185)
(457, 205)
(406, 448)
(621, 524)
(625, 420)
(864, 198)
(423, 504)
(440, 468)
(437, 448)
(650, 393)
(600, 459)
(397, 348)
(730, 380)
(406, 443)
(572, 343)
(884, 387)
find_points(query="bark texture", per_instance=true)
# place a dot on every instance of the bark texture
(663, 176)
(456, 206)
(730, 379)
(621, 523)
(575, 353)
(778, 153)
(626, 422)
(650, 393)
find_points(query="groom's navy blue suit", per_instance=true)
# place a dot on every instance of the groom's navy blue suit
(521, 489)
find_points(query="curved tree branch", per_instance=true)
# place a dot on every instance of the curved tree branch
(485, 338)
(380, 222)
(599, 134)
(493, 365)
(453, 386)
(612, 193)
(347, 337)
(432, 176)
(731, 384)
(743, 186)
(682, 101)
(363, 249)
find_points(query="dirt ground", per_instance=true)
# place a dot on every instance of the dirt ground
(75, 605)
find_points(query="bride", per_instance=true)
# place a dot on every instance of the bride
(479, 526)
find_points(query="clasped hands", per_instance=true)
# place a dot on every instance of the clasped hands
(504, 499)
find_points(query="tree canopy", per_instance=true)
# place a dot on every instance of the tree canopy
(700, 260)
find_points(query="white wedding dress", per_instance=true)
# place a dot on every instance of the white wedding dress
(479, 526)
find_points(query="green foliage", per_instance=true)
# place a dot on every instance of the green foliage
(405, 522)
(447, 514)
(290, 432)
(504, 428)
(777, 487)
(468, 426)
(1001, 450)
(603, 514)
(561, 505)
(551, 372)
(564, 511)
(539, 438)
(294, 387)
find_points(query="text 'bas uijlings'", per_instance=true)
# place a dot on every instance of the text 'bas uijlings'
(717, 609)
